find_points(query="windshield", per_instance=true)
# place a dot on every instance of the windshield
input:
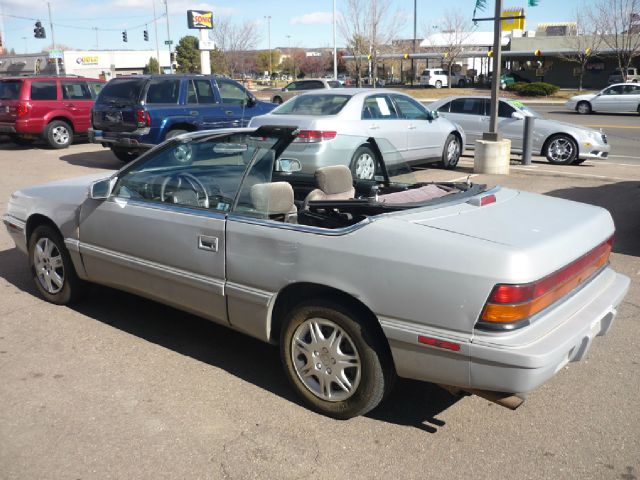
(329, 104)
(518, 105)
(10, 89)
(122, 91)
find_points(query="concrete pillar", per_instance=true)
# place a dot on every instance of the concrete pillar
(492, 157)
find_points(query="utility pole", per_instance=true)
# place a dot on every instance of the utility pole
(335, 48)
(415, 22)
(493, 134)
(166, 14)
(97, 43)
(268, 17)
(155, 29)
(53, 41)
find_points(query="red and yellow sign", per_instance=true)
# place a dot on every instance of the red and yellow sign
(200, 20)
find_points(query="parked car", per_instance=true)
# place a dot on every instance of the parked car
(562, 143)
(619, 98)
(134, 113)
(510, 79)
(54, 109)
(437, 77)
(633, 75)
(483, 289)
(302, 86)
(336, 127)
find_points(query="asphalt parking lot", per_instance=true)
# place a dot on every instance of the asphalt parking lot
(121, 387)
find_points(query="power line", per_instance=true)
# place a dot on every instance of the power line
(75, 27)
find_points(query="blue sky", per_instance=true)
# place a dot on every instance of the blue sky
(307, 22)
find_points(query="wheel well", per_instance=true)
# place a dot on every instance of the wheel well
(182, 126)
(297, 293)
(63, 119)
(456, 133)
(34, 221)
(552, 136)
(277, 97)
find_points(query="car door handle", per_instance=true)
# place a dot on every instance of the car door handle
(411, 127)
(208, 243)
(229, 112)
(374, 127)
(193, 113)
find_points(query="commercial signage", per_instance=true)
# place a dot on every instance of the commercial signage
(55, 54)
(513, 23)
(206, 45)
(197, 19)
(87, 60)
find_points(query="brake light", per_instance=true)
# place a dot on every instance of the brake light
(314, 136)
(22, 109)
(510, 304)
(143, 118)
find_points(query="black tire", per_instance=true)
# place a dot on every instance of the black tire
(23, 142)
(277, 100)
(561, 149)
(438, 84)
(58, 134)
(53, 273)
(583, 108)
(125, 155)
(174, 133)
(462, 83)
(364, 163)
(370, 377)
(579, 161)
(451, 152)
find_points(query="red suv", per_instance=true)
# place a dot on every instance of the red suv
(52, 108)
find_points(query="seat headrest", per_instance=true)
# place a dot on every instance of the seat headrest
(334, 179)
(272, 198)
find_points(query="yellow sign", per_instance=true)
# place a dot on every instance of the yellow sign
(512, 24)
(87, 60)
(200, 20)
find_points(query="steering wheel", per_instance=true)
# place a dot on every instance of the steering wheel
(196, 185)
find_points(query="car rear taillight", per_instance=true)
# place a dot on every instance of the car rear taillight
(314, 136)
(143, 118)
(510, 306)
(22, 108)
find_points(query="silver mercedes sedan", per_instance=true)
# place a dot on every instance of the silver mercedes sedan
(335, 127)
(562, 143)
(486, 290)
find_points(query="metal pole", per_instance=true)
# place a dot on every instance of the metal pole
(527, 140)
(166, 13)
(155, 28)
(493, 134)
(415, 21)
(97, 43)
(335, 45)
(53, 42)
(268, 17)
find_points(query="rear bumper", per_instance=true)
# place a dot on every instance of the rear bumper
(120, 139)
(513, 362)
(6, 127)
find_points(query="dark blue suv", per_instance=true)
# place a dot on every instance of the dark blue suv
(134, 113)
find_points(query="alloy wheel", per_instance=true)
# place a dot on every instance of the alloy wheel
(47, 261)
(561, 149)
(365, 166)
(60, 135)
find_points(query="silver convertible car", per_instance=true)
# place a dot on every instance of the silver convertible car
(484, 290)
(335, 125)
(562, 143)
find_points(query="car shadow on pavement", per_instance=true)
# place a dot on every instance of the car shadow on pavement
(622, 199)
(100, 159)
(410, 403)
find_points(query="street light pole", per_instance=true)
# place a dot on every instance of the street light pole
(97, 43)
(166, 13)
(415, 21)
(155, 28)
(335, 48)
(268, 17)
(493, 134)
(53, 41)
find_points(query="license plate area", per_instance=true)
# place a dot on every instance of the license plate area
(113, 117)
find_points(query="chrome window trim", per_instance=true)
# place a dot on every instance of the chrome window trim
(335, 232)
(171, 207)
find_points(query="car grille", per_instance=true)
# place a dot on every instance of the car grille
(604, 138)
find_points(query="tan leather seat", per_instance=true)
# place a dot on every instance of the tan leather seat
(334, 183)
(275, 200)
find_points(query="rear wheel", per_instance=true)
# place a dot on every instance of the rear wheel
(334, 361)
(438, 84)
(561, 150)
(125, 155)
(462, 83)
(58, 134)
(363, 163)
(277, 100)
(51, 267)
(583, 108)
(451, 152)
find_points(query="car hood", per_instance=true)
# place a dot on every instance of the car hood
(586, 96)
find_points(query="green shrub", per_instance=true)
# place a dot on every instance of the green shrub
(538, 89)
(516, 87)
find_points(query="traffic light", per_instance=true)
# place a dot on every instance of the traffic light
(533, 3)
(146, 35)
(124, 36)
(38, 31)
(172, 57)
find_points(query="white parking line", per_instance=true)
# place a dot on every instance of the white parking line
(589, 175)
(460, 179)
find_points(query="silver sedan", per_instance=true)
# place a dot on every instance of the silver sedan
(562, 143)
(337, 128)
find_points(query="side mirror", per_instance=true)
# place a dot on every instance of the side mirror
(517, 116)
(251, 101)
(288, 165)
(433, 114)
(102, 189)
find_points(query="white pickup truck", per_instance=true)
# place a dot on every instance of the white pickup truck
(437, 77)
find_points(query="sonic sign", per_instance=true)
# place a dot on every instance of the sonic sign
(200, 20)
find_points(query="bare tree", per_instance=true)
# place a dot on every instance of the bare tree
(368, 29)
(585, 44)
(455, 30)
(619, 23)
(234, 40)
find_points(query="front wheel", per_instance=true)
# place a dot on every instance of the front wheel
(438, 84)
(125, 155)
(584, 108)
(334, 361)
(561, 150)
(277, 100)
(363, 163)
(51, 267)
(451, 152)
(58, 134)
